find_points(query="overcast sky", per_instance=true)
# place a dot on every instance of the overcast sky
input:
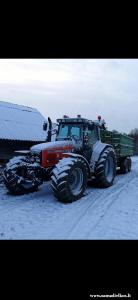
(89, 87)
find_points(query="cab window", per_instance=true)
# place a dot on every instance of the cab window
(68, 130)
(75, 131)
(63, 131)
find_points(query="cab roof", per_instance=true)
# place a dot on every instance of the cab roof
(75, 120)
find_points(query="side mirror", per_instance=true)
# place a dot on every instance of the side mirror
(45, 126)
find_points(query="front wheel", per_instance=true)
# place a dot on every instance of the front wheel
(69, 179)
(19, 178)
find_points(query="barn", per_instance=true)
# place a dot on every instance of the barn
(20, 128)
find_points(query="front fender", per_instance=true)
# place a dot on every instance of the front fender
(69, 154)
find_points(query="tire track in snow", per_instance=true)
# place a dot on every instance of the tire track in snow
(51, 219)
(82, 214)
(87, 210)
(98, 210)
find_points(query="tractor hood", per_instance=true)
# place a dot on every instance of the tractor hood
(53, 145)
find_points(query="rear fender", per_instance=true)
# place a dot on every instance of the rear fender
(98, 148)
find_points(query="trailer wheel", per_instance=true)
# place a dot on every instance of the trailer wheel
(106, 168)
(125, 166)
(129, 164)
(69, 179)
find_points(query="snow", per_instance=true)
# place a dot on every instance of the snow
(50, 145)
(14, 161)
(22, 151)
(110, 213)
(62, 175)
(18, 122)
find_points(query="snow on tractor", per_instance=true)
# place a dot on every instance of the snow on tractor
(83, 150)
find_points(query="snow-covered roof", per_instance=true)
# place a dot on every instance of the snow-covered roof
(19, 122)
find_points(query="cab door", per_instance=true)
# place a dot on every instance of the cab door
(91, 136)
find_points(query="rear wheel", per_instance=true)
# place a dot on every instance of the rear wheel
(106, 168)
(69, 179)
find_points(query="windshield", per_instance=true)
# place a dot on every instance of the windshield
(69, 130)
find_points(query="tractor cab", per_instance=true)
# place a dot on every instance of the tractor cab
(83, 132)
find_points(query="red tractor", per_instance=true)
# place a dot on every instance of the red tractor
(76, 156)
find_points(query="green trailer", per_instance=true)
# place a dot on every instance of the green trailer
(123, 146)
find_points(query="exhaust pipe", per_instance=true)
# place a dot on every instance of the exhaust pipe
(49, 133)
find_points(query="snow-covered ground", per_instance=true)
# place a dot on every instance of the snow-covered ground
(101, 214)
